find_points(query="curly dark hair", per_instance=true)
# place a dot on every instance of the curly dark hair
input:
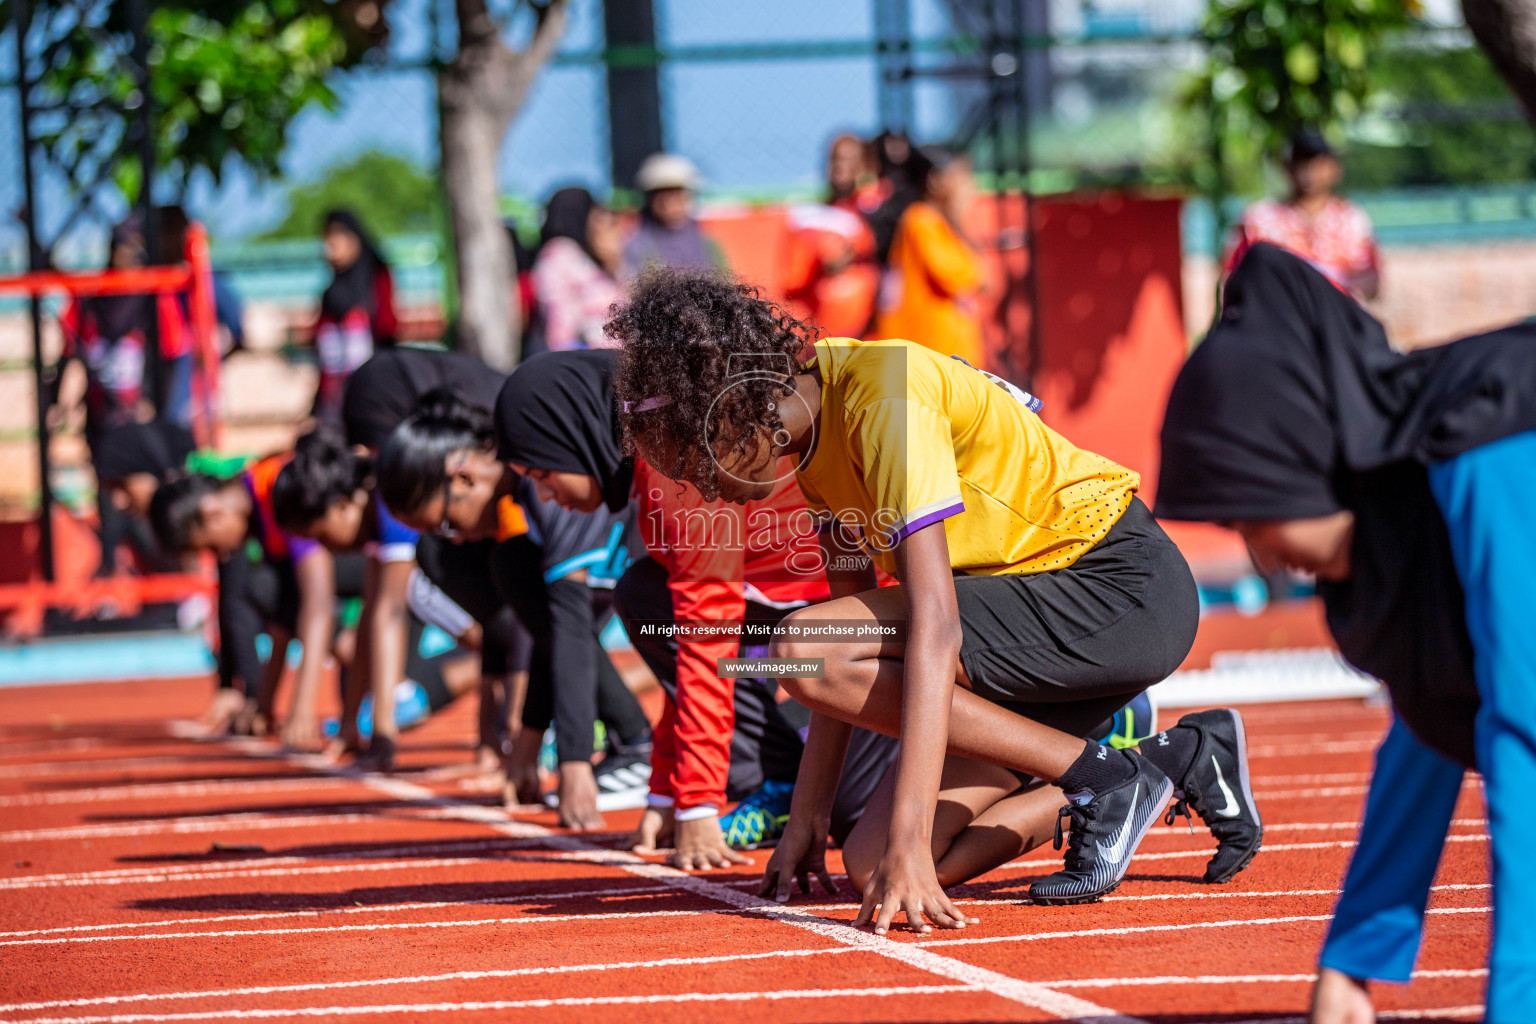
(689, 338)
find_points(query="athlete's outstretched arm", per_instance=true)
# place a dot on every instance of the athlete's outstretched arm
(317, 613)
(906, 879)
(801, 851)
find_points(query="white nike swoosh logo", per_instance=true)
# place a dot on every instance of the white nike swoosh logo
(1232, 810)
(1115, 851)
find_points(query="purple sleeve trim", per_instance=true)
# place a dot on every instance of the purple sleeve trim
(300, 548)
(906, 530)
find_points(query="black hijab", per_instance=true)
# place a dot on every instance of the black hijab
(1296, 388)
(355, 286)
(566, 217)
(389, 387)
(557, 412)
(1296, 406)
(116, 316)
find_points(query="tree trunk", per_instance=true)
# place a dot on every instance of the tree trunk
(489, 321)
(479, 93)
(1506, 29)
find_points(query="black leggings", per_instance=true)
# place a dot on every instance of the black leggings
(501, 584)
(463, 572)
(254, 596)
(564, 618)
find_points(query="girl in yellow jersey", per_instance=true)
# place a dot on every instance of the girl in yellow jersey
(1037, 595)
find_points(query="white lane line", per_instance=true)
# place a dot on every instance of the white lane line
(266, 867)
(189, 826)
(1448, 887)
(119, 764)
(991, 901)
(234, 822)
(1372, 736)
(1162, 896)
(1340, 844)
(1351, 710)
(1309, 826)
(1328, 779)
(1275, 750)
(514, 1004)
(380, 908)
(48, 746)
(160, 790)
(1441, 1013)
(1182, 926)
(1471, 782)
(424, 979)
(308, 869)
(1059, 1004)
(1233, 979)
(381, 926)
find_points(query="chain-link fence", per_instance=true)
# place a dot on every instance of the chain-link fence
(753, 92)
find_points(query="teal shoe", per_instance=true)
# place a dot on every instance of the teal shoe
(760, 818)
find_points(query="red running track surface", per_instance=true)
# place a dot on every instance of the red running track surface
(146, 876)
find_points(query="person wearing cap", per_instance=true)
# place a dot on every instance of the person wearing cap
(1314, 222)
(668, 234)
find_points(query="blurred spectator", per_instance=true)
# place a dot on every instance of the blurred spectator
(831, 277)
(929, 294)
(1315, 223)
(106, 335)
(578, 271)
(357, 311)
(131, 460)
(226, 304)
(901, 176)
(527, 295)
(668, 233)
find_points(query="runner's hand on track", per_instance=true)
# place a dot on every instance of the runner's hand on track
(701, 846)
(578, 797)
(302, 732)
(654, 831)
(1339, 999)
(905, 881)
(800, 853)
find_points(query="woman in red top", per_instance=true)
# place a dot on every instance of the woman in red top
(357, 310)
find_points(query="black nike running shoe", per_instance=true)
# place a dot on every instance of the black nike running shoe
(1104, 833)
(1217, 785)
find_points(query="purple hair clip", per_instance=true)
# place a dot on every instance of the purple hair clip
(647, 404)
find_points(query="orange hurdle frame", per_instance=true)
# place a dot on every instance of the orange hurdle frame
(25, 602)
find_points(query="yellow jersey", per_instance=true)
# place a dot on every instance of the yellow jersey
(908, 438)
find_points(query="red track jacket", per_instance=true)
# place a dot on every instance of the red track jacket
(715, 554)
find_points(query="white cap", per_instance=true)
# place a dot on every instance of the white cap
(666, 170)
